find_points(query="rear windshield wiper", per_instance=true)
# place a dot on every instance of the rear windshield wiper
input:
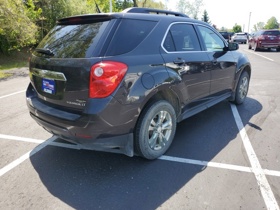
(45, 51)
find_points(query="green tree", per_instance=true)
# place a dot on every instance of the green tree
(150, 4)
(205, 17)
(259, 26)
(52, 10)
(123, 4)
(223, 29)
(272, 23)
(17, 27)
(237, 28)
(192, 9)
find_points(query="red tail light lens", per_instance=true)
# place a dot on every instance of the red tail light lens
(105, 78)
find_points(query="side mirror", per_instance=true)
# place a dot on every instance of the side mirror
(233, 46)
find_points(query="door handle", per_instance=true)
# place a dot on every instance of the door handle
(179, 62)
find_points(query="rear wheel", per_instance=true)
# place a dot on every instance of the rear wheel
(249, 47)
(155, 130)
(242, 88)
(256, 48)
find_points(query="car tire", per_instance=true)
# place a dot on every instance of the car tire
(249, 47)
(242, 88)
(155, 130)
(256, 48)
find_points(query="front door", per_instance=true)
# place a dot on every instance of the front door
(223, 63)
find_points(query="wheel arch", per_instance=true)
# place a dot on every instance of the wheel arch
(245, 67)
(162, 94)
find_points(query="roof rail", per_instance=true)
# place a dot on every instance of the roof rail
(153, 11)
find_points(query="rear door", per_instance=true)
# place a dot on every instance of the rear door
(183, 56)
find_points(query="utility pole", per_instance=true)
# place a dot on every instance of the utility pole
(249, 22)
(110, 6)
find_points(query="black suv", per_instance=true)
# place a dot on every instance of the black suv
(121, 82)
(225, 34)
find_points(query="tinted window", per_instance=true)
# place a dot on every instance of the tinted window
(73, 41)
(129, 35)
(275, 33)
(181, 37)
(211, 40)
(225, 34)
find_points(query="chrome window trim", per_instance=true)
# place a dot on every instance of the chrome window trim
(191, 23)
(48, 74)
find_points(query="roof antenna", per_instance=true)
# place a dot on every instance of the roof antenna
(97, 8)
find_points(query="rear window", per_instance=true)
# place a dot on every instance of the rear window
(73, 41)
(129, 35)
(224, 33)
(275, 33)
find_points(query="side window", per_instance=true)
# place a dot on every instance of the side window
(211, 40)
(181, 37)
(129, 35)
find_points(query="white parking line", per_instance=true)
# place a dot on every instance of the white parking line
(12, 94)
(206, 163)
(164, 157)
(17, 138)
(264, 186)
(259, 55)
(18, 161)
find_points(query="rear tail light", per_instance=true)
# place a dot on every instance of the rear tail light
(105, 78)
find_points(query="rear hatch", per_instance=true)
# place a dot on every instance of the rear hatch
(271, 37)
(60, 65)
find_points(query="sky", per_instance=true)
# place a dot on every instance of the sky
(227, 13)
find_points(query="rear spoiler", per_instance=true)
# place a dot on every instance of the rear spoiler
(83, 19)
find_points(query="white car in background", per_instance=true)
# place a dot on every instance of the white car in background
(239, 38)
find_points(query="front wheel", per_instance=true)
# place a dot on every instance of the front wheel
(242, 88)
(155, 130)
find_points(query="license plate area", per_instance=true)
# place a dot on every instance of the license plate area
(48, 86)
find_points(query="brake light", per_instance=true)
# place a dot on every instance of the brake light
(105, 78)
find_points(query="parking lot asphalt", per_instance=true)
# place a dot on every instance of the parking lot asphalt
(226, 157)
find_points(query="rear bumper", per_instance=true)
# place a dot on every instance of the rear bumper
(122, 144)
(101, 130)
(269, 45)
(239, 40)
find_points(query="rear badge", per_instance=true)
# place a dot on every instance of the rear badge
(77, 102)
(48, 86)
